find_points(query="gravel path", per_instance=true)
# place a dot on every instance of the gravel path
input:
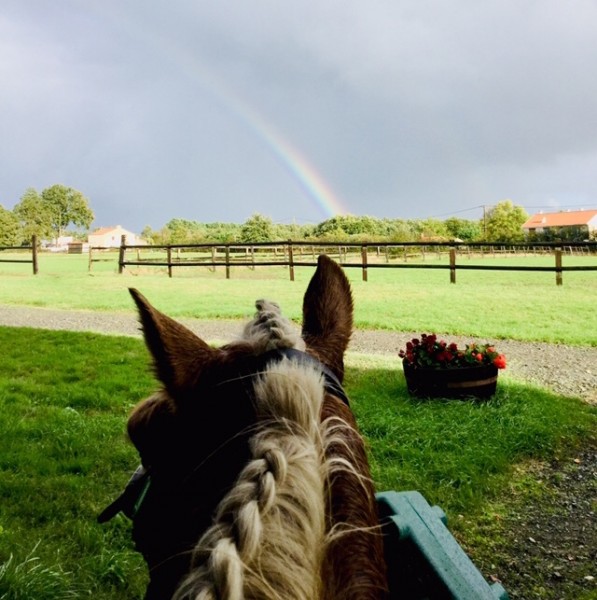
(565, 369)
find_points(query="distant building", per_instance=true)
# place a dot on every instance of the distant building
(109, 237)
(568, 225)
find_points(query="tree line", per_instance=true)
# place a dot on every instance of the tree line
(501, 224)
(49, 213)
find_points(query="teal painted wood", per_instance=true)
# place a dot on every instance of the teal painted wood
(425, 562)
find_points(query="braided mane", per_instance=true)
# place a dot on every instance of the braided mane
(272, 521)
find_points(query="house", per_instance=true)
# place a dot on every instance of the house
(568, 225)
(110, 237)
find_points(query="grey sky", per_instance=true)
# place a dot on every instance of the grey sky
(213, 111)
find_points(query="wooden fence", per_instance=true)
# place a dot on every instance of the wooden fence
(363, 256)
(32, 249)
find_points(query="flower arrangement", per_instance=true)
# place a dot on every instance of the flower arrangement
(428, 352)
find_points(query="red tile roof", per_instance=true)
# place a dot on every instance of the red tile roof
(560, 219)
(104, 230)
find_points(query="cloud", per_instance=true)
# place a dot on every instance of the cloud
(407, 109)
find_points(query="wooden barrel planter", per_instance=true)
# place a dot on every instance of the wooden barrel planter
(477, 382)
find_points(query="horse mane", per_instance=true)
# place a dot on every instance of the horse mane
(282, 484)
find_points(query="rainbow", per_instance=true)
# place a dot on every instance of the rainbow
(313, 184)
(300, 168)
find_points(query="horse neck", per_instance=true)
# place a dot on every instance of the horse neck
(268, 536)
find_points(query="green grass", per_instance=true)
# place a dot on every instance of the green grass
(64, 400)
(490, 304)
(458, 453)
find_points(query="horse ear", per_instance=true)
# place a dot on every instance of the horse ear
(178, 354)
(327, 315)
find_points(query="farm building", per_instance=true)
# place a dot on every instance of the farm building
(109, 237)
(570, 225)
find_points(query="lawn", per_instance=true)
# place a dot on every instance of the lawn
(64, 400)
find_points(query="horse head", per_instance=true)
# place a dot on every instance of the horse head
(255, 482)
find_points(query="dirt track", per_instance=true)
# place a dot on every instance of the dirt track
(565, 369)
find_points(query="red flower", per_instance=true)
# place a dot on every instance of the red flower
(500, 361)
(429, 352)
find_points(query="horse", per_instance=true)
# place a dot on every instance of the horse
(254, 481)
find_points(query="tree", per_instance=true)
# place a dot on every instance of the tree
(432, 230)
(257, 229)
(463, 229)
(64, 206)
(10, 230)
(33, 216)
(147, 234)
(504, 222)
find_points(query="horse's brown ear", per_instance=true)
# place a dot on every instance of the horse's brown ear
(327, 314)
(178, 354)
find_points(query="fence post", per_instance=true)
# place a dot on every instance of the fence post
(34, 254)
(121, 254)
(452, 265)
(291, 260)
(364, 261)
(227, 261)
(89, 266)
(169, 260)
(558, 253)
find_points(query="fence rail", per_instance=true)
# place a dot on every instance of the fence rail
(385, 255)
(32, 260)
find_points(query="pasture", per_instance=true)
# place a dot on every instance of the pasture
(491, 304)
(65, 398)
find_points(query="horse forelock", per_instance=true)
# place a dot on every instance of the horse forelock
(269, 329)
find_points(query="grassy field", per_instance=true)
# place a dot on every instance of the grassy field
(490, 304)
(64, 400)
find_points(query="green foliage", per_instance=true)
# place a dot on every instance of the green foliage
(10, 230)
(183, 231)
(65, 205)
(431, 230)
(51, 212)
(33, 216)
(463, 229)
(257, 229)
(504, 222)
(577, 233)
(339, 228)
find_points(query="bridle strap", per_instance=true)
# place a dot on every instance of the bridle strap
(131, 498)
(331, 383)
